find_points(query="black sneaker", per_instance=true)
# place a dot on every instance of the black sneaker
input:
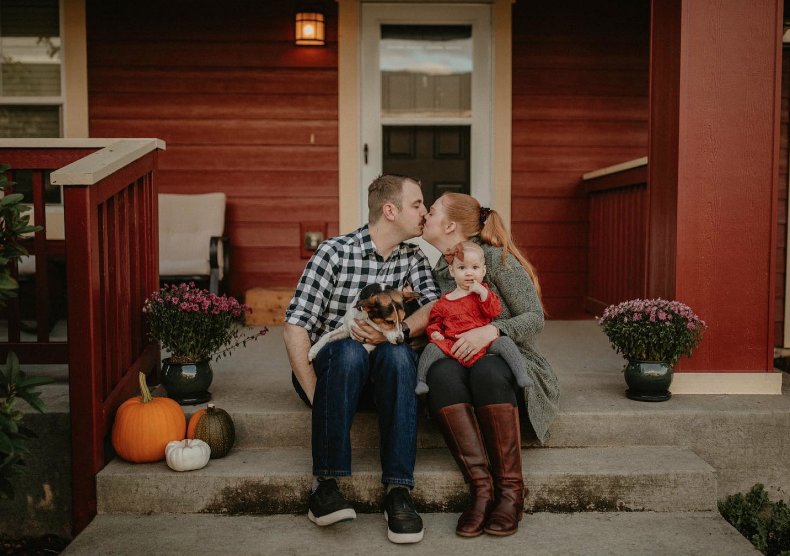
(404, 524)
(327, 505)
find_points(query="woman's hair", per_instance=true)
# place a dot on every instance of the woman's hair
(465, 211)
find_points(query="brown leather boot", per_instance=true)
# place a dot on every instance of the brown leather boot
(462, 435)
(499, 424)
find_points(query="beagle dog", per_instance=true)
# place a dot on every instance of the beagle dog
(381, 307)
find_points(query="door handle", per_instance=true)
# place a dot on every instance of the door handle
(365, 153)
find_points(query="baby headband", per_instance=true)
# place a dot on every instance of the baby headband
(484, 212)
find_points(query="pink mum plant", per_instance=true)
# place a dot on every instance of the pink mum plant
(195, 325)
(652, 329)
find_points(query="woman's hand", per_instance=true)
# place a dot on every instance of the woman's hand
(472, 341)
(361, 331)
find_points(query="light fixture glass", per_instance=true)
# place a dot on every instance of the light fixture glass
(310, 29)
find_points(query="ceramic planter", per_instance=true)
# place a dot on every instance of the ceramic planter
(187, 383)
(648, 381)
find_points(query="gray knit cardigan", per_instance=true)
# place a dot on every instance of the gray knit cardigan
(522, 320)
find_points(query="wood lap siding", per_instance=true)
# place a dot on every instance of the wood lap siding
(781, 226)
(580, 102)
(237, 103)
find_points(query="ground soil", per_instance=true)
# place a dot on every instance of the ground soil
(45, 545)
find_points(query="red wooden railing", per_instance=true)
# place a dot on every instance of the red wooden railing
(112, 265)
(111, 242)
(48, 253)
(617, 256)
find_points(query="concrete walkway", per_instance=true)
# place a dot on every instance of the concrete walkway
(589, 534)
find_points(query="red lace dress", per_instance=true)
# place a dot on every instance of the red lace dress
(451, 317)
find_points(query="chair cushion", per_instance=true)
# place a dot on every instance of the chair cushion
(186, 225)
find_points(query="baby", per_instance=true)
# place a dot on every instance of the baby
(470, 305)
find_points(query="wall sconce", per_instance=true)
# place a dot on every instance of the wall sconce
(310, 29)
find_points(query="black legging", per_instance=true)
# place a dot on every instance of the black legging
(489, 381)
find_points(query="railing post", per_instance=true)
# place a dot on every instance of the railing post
(86, 341)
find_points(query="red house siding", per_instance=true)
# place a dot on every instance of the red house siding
(580, 102)
(781, 226)
(243, 110)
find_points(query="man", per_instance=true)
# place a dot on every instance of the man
(343, 375)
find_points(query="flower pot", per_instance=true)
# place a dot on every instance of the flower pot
(648, 381)
(187, 383)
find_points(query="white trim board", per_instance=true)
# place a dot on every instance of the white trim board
(726, 383)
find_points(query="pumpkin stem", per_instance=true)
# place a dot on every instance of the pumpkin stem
(144, 388)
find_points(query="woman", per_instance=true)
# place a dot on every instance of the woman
(478, 408)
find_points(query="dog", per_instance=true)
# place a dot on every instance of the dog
(381, 307)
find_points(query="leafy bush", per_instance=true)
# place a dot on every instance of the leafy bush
(14, 437)
(765, 523)
(14, 384)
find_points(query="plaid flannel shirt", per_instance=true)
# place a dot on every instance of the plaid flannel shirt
(341, 267)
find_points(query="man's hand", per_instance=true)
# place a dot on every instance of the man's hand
(361, 331)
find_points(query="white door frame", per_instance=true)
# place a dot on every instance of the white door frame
(481, 152)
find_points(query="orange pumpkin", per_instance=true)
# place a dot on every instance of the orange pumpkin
(144, 425)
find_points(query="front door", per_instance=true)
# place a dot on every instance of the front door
(426, 97)
(437, 155)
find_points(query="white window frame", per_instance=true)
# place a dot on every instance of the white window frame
(479, 17)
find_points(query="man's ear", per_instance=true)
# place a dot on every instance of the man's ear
(390, 211)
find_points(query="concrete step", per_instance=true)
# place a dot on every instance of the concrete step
(614, 534)
(276, 481)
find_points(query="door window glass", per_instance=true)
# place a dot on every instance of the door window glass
(426, 71)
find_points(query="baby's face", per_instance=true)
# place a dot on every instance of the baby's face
(470, 270)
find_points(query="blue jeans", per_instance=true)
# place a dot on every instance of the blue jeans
(346, 373)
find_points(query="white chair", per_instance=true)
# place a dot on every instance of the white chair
(192, 246)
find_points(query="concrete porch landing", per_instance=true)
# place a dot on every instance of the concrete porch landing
(665, 464)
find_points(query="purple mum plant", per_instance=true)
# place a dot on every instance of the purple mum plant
(195, 325)
(652, 329)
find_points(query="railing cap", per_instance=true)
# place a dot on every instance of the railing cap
(97, 166)
(615, 168)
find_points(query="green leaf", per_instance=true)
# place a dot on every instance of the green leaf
(6, 446)
(7, 282)
(33, 381)
(32, 398)
(8, 424)
(11, 199)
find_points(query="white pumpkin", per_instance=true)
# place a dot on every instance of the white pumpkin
(187, 455)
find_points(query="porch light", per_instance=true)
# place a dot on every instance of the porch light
(310, 29)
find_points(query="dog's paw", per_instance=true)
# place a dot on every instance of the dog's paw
(312, 353)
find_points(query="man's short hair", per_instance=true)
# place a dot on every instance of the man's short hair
(387, 188)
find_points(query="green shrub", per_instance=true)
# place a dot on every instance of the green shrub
(14, 384)
(765, 523)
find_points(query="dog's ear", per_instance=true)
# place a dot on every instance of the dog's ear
(409, 295)
(365, 304)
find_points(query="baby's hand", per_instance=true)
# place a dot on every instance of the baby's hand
(478, 288)
(436, 335)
